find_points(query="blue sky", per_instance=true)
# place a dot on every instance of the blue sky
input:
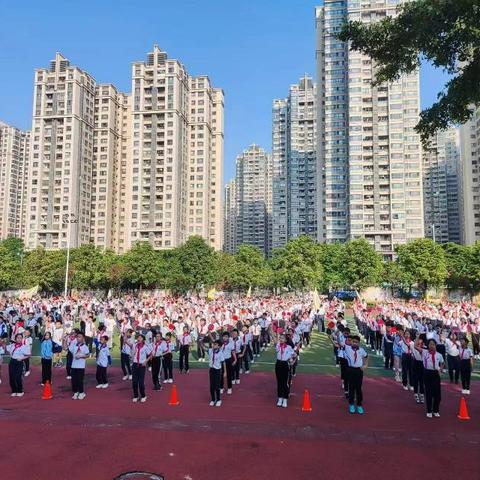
(253, 49)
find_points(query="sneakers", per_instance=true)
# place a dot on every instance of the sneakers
(27, 373)
(75, 396)
(221, 390)
(212, 403)
(69, 377)
(229, 391)
(417, 398)
(429, 415)
(13, 395)
(170, 380)
(105, 385)
(21, 394)
(134, 399)
(218, 404)
(81, 396)
(125, 377)
(436, 414)
(405, 387)
(351, 408)
(410, 388)
(99, 385)
(467, 392)
(422, 398)
(284, 403)
(247, 372)
(280, 401)
(129, 377)
(360, 410)
(143, 399)
(165, 381)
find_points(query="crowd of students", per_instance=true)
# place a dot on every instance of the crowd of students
(230, 333)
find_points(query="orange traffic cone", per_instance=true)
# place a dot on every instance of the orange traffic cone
(47, 391)
(173, 397)
(307, 406)
(463, 412)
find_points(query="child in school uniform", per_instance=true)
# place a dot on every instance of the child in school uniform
(237, 345)
(125, 355)
(80, 353)
(215, 359)
(357, 360)
(103, 357)
(167, 348)
(28, 342)
(141, 354)
(466, 365)
(417, 371)
(156, 361)
(2, 353)
(46, 351)
(184, 341)
(229, 362)
(71, 337)
(18, 353)
(433, 364)
(285, 355)
(407, 347)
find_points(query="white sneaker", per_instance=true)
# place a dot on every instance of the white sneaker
(467, 392)
(436, 414)
(463, 391)
(135, 400)
(105, 385)
(125, 377)
(405, 388)
(212, 404)
(170, 380)
(27, 373)
(99, 386)
(129, 377)
(13, 395)
(284, 403)
(69, 377)
(143, 399)
(75, 396)
(165, 381)
(247, 372)
(241, 370)
(221, 390)
(218, 404)
(280, 401)
(238, 382)
(410, 388)
(20, 394)
(81, 396)
(429, 415)
(229, 391)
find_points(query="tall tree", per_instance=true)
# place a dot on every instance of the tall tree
(459, 264)
(11, 258)
(362, 266)
(249, 268)
(332, 258)
(444, 32)
(141, 266)
(424, 260)
(45, 268)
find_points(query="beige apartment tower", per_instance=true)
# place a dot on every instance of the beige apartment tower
(14, 155)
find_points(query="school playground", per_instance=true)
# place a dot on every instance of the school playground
(248, 437)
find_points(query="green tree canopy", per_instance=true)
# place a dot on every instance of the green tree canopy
(444, 32)
(424, 260)
(459, 264)
(249, 268)
(11, 257)
(45, 268)
(297, 264)
(141, 266)
(362, 266)
(332, 258)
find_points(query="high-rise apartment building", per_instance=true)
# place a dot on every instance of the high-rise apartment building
(14, 155)
(470, 170)
(294, 164)
(60, 170)
(441, 187)
(253, 191)
(230, 217)
(369, 154)
(177, 154)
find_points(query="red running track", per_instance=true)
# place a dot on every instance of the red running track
(247, 438)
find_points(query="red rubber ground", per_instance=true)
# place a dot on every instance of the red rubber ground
(247, 438)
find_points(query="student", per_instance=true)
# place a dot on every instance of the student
(407, 347)
(103, 356)
(18, 353)
(246, 351)
(72, 337)
(417, 371)
(46, 352)
(388, 339)
(57, 338)
(167, 348)
(466, 365)
(185, 340)
(215, 359)
(285, 356)
(229, 360)
(2, 353)
(453, 360)
(357, 360)
(125, 355)
(255, 330)
(433, 363)
(80, 352)
(157, 361)
(201, 338)
(397, 354)
(237, 346)
(343, 340)
(141, 354)
(28, 342)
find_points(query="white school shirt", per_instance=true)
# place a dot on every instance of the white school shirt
(127, 346)
(430, 363)
(237, 344)
(18, 351)
(418, 355)
(77, 349)
(256, 330)
(227, 349)
(140, 353)
(28, 342)
(89, 328)
(246, 339)
(156, 348)
(407, 347)
(451, 347)
(215, 359)
(466, 353)
(284, 352)
(354, 357)
(103, 354)
(167, 346)
(57, 335)
(185, 339)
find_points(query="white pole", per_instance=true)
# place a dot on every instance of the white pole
(433, 231)
(68, 258)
